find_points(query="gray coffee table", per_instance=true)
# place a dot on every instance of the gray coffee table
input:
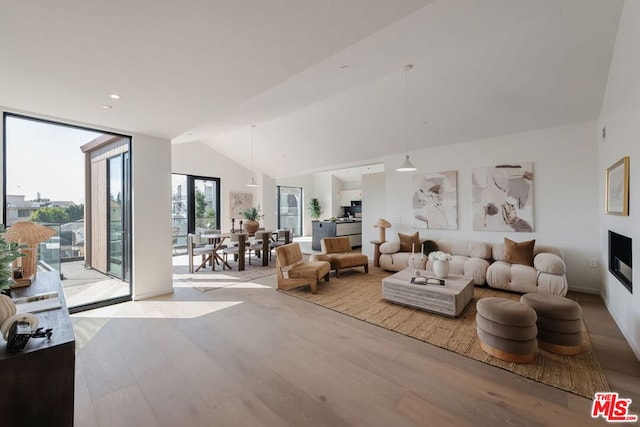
(449, 300)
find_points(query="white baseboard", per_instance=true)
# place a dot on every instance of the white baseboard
(151, 295)
(635, 350)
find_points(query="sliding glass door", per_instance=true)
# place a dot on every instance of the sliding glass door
(118, 221)
(290, 208)
(195, 205)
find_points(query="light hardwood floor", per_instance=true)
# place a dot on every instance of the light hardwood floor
(246, 355)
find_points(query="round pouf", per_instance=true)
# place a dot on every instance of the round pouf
(507, 329)
(559, 322)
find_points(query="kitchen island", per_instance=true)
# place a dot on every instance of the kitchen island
(347, 227)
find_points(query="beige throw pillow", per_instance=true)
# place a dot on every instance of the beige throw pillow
(407, 242)
(519, 252)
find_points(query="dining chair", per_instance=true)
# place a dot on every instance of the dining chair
(232, 248)
(174, 237)
(279, 239)
(196, 248)
(257, 245)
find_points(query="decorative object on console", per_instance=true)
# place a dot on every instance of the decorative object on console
(30, 234)
(617, 188)
(11, 255)
(435, 201)
(440, 263)
(382, 224)
(406, 165)
(503, 198)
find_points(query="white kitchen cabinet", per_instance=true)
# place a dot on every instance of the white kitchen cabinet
(346, 196)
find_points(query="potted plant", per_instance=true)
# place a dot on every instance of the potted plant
(252, 216)
(315, 210)
(9, 252)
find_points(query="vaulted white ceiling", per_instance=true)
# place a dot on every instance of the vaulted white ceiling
(322, 80)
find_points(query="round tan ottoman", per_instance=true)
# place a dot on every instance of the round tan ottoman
(559, 322)
(507, 329)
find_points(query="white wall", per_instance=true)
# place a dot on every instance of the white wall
(151, 208)
(565, 191)
(151, 258)
(621, 116)
(373, 208)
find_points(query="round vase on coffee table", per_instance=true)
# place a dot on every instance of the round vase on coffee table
(441, 268)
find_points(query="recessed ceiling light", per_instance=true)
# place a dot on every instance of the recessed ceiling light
(114, 96)
(107, 107)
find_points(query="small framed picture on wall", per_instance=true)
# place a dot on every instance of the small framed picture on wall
(617, 188)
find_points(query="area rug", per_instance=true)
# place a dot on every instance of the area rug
(360, 296)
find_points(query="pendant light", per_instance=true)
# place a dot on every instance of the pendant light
(406, 166)
(252, 182)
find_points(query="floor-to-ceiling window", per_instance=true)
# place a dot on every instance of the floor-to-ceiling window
(48, 179)
(195, 204)
(290, 208)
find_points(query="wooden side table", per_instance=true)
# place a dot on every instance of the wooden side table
(376, 252)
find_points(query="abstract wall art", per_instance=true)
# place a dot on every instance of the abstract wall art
(239, 203)
(617, 188)
(435, 201)
(502, 197)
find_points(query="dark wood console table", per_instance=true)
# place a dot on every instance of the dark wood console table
(38, 382)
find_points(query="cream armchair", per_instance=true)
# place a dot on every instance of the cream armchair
(546, 275)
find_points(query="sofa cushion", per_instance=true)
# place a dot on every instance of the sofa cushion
(465, 248)
(390, 247)
(409, 242)
(518, 252)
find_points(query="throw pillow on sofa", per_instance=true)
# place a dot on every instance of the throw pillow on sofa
(519, 252)
(409, 242)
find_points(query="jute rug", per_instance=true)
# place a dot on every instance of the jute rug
(360, 295)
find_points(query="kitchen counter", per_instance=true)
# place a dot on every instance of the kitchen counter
(348, 227)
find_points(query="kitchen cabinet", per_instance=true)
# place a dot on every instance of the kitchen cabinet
(346, 196)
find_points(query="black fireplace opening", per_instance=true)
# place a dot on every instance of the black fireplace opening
(621, 259)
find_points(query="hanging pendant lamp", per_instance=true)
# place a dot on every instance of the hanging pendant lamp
(252, 182)
(406, 165)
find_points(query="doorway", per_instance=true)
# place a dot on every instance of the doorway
(290, 208)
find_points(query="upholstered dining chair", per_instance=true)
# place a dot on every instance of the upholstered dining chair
(233, 248)
(257, 245)
(279, 239)
(196, 248)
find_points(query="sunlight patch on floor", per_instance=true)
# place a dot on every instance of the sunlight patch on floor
(158, 309)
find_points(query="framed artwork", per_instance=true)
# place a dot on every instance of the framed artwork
(435, 201)
(239, 203)
(617, 188)
(503, 197)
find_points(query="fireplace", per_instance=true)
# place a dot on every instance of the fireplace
(621, 259)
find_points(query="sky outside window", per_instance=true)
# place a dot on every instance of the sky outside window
(45, 158)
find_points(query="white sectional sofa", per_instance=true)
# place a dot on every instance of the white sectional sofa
(487, 264)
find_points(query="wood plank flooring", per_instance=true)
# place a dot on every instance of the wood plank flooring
(257, 357)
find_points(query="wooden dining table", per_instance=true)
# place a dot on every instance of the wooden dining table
(219, 238)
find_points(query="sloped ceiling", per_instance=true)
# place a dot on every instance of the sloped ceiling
(322, 80)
